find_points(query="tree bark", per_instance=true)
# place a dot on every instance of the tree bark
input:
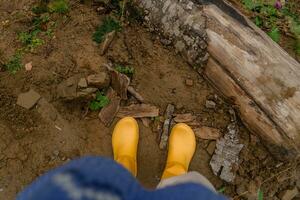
(246, 65)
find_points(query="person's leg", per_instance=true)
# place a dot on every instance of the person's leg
(182, 145)
(125, 139)
(190, 177)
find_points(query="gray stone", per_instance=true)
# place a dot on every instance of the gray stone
(29, 99)
(82, 83)
(67, 88)
(210, 104)
(86, 92)
(99, 80)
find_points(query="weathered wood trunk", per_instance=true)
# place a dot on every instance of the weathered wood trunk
(245, 65)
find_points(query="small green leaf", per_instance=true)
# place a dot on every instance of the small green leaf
(14, 63)
(260, 195)
(222, 190)
(274, 34)
(58, 6)
(127, 70)
(108, 25)
(258, 21)
(100, 102)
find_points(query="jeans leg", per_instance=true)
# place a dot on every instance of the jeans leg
(190, 177)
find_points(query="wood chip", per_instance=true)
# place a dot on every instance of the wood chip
(207, 133)
(120, 83)
(138, 111)
(107, 41)
(108, 113)
(166, 127)
(134, 93)
(184, 118)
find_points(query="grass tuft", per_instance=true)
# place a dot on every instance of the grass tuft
(58, 6)
(127, 70)
(14, 64)
(108, 25)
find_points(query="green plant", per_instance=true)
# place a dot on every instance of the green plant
(38, 22)
(260, 195)
(221, 190)
(58, 6)
(254, 5)
(274, 34)
(127, 70)
(30, 40)
(258, 21)
(40, 9)
(108, 25)
(14, 63)
(100, 102)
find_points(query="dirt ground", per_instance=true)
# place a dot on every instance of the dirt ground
(54, 132)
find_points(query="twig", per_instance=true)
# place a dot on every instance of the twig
(123, 10)
(244, 193)
(277, 174)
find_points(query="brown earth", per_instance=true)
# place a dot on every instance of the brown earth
(34, 141)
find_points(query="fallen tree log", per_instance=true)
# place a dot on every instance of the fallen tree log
(265, 73)
(246, 65)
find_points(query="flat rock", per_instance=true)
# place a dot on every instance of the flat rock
(207, 133)
(29, 99)
(99, 80)
(82, 83)
(67, 88)
(184, 118)
(138, 111)
(86, 92)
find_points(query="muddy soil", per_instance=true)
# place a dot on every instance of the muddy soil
(54, 132)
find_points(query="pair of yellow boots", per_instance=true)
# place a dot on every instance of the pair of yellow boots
(182, 145)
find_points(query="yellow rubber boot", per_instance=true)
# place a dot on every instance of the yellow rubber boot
(182, 145)
(125, 143)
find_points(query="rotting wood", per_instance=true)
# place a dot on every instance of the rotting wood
(252, 116)
(226, 155)
(138, 111)
(262, 71)
(166, 127)
(134, 93)
(184, 118)
(120, 83)
(207, 133)
(108, 113)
